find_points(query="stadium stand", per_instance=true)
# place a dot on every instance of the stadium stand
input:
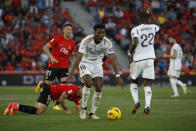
(177, 17)
(26, 25)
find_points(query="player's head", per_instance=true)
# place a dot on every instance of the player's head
(142, 17)
(172, 39)
(99, 32)
(67, 30)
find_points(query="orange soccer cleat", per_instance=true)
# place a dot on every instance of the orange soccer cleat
(7, 110)
(14, 108)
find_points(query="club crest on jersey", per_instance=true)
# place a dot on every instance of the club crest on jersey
(64, 50)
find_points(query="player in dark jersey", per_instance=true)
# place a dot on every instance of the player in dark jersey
(49, 92)
(63, 47)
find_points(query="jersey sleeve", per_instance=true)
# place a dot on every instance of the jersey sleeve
(53, 41)
(156, 27)
(82, 48)
(134, 33)
(109, 49)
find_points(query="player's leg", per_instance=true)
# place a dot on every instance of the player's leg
(173, 81)
(134, 93)
(98, 84)
(148, 75)
(49, 77)
(38, 109)
(87, 79)
(183, 85)
(148, 95)
(135, 70)
(62, 76)
(85, 75)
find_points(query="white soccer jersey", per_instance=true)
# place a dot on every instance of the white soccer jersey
(175, 64)
(95, 52)
(145, 34)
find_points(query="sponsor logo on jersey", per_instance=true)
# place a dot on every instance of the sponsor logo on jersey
(64, 51)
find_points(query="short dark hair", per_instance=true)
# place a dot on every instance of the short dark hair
(143, 16)
(98, 26)
(172, 36)
(67, 24)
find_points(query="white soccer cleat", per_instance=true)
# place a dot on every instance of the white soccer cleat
(83, 114)
(174, 95)
(94, 117)
(184, 87)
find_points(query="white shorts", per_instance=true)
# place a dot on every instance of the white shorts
(174, 73)
(144, 68)
(93, 69)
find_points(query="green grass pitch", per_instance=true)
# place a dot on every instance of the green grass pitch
(167, 114)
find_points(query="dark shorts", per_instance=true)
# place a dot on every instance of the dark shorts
(45, 95)
(51, 73)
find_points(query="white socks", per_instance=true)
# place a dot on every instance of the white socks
(174, 86)
(148, 95)
(95, 101)
(134, 92)
(85, 96)
(180, 83)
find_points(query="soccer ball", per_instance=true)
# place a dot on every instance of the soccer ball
(114, 113)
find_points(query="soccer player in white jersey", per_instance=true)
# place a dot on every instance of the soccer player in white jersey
(142, 57)
(89, 58)
(175, 66)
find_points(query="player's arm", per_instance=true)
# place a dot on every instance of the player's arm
(149, 12)
(46, 49)
(172, 56)
(78, 108)
(72, 58)
(114, 65)
(61, 101)
(75, 65)
(133, 45)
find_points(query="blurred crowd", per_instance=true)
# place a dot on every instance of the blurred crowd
(25, 26)
(177, 17)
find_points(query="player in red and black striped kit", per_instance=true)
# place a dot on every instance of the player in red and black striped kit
(63, 48)
(49, 92)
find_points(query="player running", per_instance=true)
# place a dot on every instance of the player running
(49, 92)
(175, 66)
(142, 57)
(89, 58)
(63, 47)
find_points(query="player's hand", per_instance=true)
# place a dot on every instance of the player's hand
(148, 10)
(69, 78)
(54, 61)
(120, 82)
(68, 112)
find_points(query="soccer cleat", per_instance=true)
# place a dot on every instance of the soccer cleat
(176, 95)
(38, 88)
(146, 111)
(14, 108)
(93, 116)
(135, 108)
(7, 110)
(83, 114)
(57, 108)
(184, 87)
